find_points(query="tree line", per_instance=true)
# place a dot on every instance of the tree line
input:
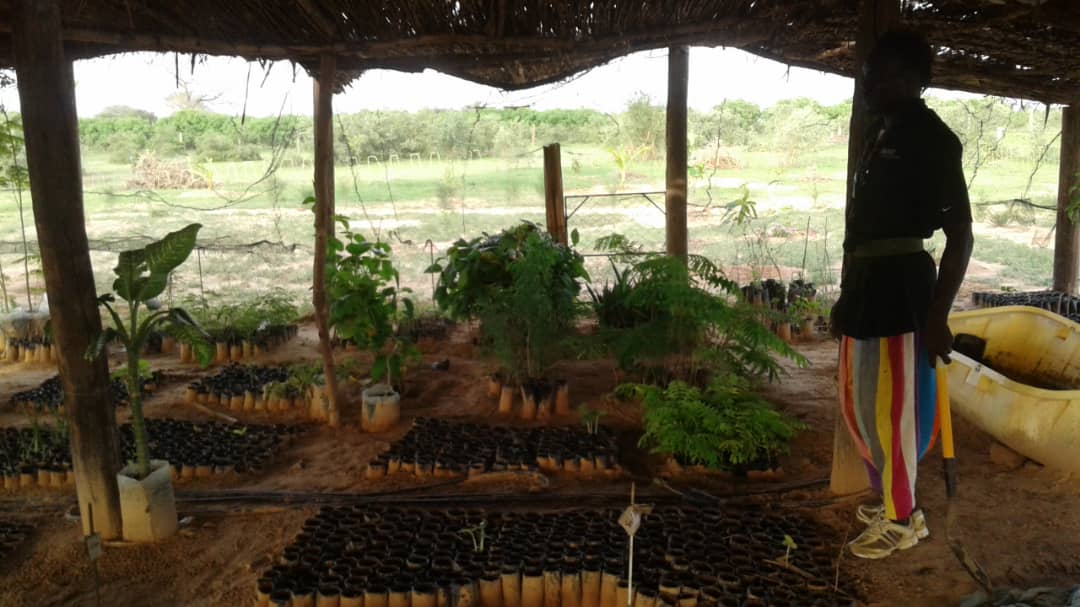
(989, 127)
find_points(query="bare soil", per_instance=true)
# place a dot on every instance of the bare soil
(1022, 524)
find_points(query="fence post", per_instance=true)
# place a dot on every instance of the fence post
(553, 193)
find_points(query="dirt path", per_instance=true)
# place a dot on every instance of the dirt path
(1023, 525)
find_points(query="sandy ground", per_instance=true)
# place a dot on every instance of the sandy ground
(1022, 524)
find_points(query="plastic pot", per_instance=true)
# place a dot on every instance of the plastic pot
(590, 586)
(424, 595)
(328, 596)
(147, 506)
(510, 581)
(532, 588)
(506, 399)
(623, 593)
(571, 588)
(494, 386)
(608, 589)
(381, 408)
(562, 398)
(552, 587)
(375, 596)
(490, 590)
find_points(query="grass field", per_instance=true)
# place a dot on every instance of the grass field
(423, 206)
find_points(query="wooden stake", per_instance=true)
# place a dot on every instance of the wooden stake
(51, 131)
(1067, 238)
(553, 193)
(675, 200)
(875, 18)
(324, 222)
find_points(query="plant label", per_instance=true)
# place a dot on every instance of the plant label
(93, 546)
(630, 520)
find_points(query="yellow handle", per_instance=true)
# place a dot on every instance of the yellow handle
(944, 410)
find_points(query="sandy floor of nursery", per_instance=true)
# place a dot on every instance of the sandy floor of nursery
(1022, 524)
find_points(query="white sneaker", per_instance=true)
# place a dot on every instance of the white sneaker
(882, 538)
(868, 514)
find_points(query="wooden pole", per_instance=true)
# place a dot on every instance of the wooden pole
(553, 193)
(1068, 234)
(51, 132)
(875, 18)
(324, 222)
(675, 199)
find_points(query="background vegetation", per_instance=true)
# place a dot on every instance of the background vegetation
(422, 180)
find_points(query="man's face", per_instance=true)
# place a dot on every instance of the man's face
(887, 81)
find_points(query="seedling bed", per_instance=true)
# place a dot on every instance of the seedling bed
(12, 535)
(40, 457)
(445, 448)
(358, 555)
(254, 388)
(1057, 302)
(230, 346)
(17, 350)
(49, 395)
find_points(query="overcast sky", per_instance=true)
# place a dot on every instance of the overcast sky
(144, 80)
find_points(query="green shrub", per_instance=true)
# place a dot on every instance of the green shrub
(124, 147)
(215, 147)
(683, 317)
(522, 286)
(367, 301)
(723, 426)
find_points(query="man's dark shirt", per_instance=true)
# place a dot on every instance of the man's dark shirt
(909, 183)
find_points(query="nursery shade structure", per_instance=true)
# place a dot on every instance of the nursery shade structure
(1018, 48)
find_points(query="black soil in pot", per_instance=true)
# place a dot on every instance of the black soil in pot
(471, 547)
(49, 395)
(496, 448)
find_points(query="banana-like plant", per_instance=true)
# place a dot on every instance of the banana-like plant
(141, 276)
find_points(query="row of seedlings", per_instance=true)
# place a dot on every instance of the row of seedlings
(796, 302)
(273, 390)
(362, 556)
(49, 395)
(228, 345)
(540, 400)
(440, 448)
(36, 350)
(40, 456)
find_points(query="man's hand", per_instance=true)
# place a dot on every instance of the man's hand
(938, 340)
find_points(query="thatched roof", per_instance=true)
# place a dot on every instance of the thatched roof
(1019, 48)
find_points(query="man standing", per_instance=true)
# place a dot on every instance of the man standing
(892, 313)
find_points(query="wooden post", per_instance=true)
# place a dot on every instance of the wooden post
(675, 199)
(553, 193)
(1067, 238)
(51, 132)
(324, 222)
(875, 18)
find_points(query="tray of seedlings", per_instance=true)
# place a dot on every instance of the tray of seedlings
(1057, 302)
(279, 391)
(362, 556)
(49, 395)
(440, 448)
(39, 456)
